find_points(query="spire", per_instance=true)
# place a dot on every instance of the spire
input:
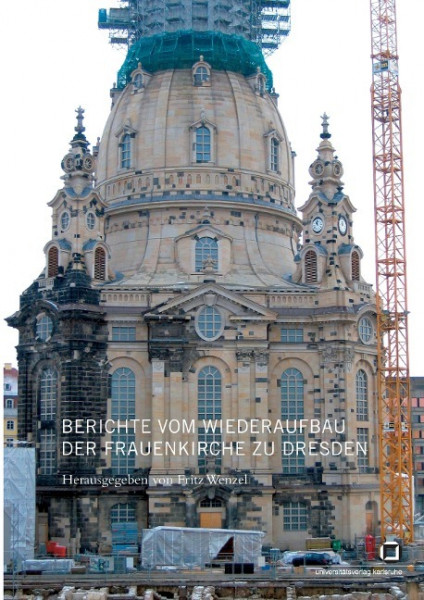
(326, 170)
(79, 139)
(80, 127)
(78, 164)
(325, 135)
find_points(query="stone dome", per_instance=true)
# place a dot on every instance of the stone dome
(186, 148)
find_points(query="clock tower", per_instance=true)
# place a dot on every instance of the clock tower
(329, 257)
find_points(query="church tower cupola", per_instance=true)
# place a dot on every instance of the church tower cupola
(77, 241)
(329, 257)
(326, 170)
(79, 163)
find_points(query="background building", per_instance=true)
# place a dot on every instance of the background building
(181, 283)
(10, 404)
(417, 417)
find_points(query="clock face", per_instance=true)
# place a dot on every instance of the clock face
(337, 169)
(319, 168)
(342, 225)
(317, 224)
(88, 163)
(68, 163)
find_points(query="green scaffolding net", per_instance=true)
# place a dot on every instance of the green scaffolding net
(180, 50)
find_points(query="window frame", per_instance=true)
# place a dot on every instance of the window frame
(200, 78)
(65, 215)
(291, 335)
(200, 156)
(88, 220)
(47, 451)
(123, 388)
(209, 407)
(44, 327)
(200, 255)
(121, 464)
(366, 330)
(295, 516)
(202, 325)
(293, 464)
(362, 436)
(361, 390)
(201, 142)
(48, 395)
(130, 509)
(125, 155)
(123, 333)
(274, 155)
(204, 80)
(292, 394)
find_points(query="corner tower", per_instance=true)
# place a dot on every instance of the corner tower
(198, 302)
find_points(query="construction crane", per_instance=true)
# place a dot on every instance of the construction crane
(395, 441)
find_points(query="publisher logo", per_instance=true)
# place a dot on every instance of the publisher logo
(390, 552)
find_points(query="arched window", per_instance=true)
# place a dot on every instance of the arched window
(311, 267)
(361, 396)
(209, 395)
(209, 385)
(43, 327)
(47, 409)
(355, 266)
(261, 83)
(206, 250)
(52, 262)
(126, 151)
(123, 394)
(100, 264)
(122, 513)
(203, 144)
(292, 390)
(201, 74)
(275, 155)
(48, 395)
(9, 403)
(211, 503)
(138, 81)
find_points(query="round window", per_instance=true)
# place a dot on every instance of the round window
(91, 220)
(366, 330)
(209, 323)
(43, 328)
(64, 221)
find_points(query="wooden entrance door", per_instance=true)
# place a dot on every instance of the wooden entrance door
(211, 520)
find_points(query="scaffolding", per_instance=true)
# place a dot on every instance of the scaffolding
(187, 547)
(180, 50)
(19, 506)
(264, 22)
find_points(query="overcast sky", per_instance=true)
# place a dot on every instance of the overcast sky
(55, 59)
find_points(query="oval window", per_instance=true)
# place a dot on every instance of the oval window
(209, 323)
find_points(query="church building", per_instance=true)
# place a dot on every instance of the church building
(200, 349)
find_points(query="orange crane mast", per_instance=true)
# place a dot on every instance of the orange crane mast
(395, 441)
